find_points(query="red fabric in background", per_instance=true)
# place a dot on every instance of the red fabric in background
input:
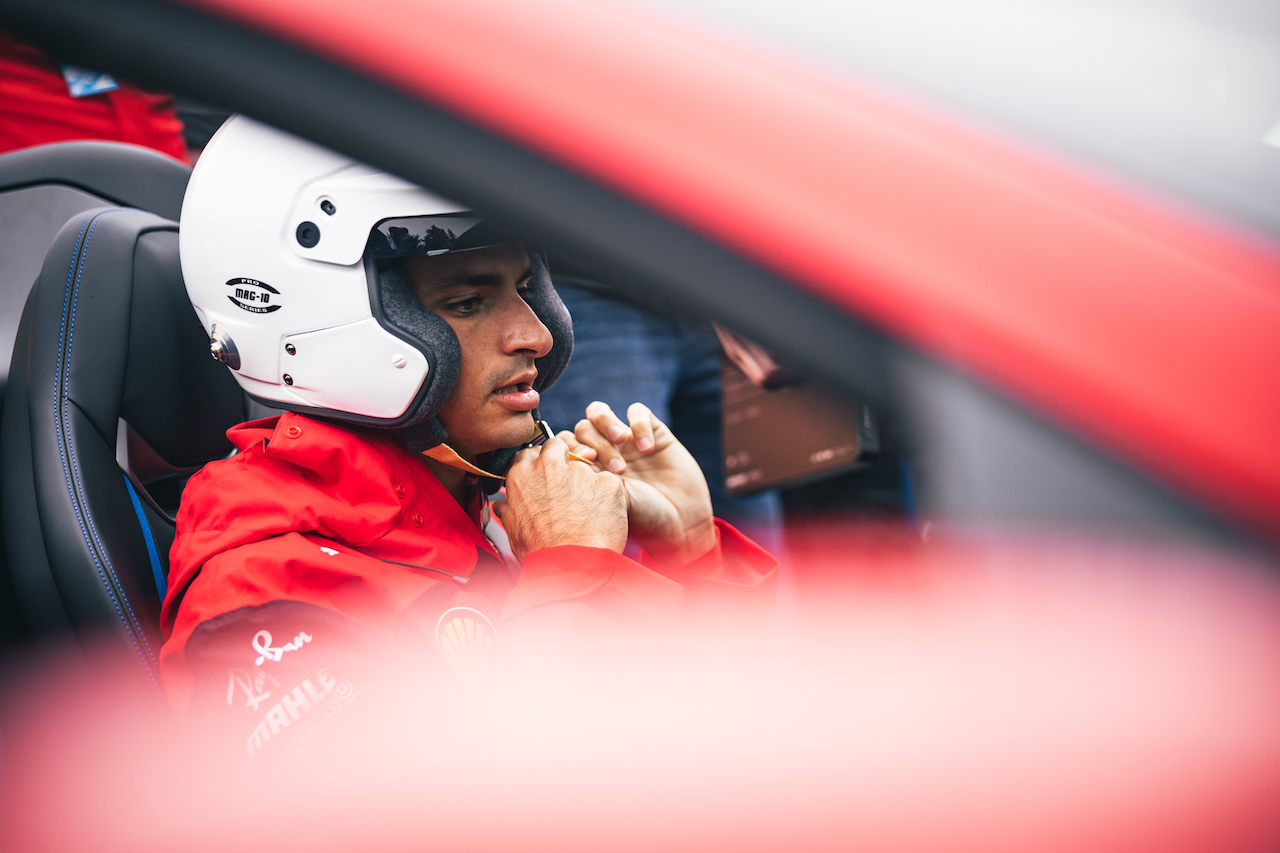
(36, 108)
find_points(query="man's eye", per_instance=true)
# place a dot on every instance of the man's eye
(465, 306)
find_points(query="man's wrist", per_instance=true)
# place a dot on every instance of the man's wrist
(705, 540)
(695, 542)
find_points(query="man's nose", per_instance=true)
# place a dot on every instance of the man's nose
(525, 331)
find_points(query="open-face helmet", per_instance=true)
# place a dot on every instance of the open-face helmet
(289, 252)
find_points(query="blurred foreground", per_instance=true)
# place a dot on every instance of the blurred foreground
(966, 695)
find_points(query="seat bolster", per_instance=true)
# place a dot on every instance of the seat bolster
(74, 367)
(124, 174)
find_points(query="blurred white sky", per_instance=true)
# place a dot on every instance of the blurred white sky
(1178, 94)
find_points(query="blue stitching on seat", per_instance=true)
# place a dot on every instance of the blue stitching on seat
(162, 586)
(71, 448)
(57, 394)
(70, 302)
(64, 348)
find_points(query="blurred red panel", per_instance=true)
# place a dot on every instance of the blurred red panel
(1146, 326)
(973, 695)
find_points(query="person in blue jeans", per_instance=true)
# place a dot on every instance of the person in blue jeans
(623, 353)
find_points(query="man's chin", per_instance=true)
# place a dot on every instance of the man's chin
(513, 432)
(523, 430)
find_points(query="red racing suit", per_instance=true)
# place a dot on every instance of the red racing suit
(316, 539)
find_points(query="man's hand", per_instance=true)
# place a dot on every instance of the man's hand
(668, 504)
(552, 501)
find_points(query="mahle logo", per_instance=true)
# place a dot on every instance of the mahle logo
(254, 296)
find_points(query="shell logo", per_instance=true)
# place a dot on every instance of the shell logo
(467, 640)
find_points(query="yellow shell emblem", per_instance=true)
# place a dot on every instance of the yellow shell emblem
(467, 640)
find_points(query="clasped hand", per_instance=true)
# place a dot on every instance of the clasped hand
(635, 479)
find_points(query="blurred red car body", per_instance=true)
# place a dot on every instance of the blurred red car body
(1081, 297)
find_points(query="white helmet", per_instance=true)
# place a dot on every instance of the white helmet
(283, 246)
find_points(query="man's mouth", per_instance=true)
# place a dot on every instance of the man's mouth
(515, 388)
(517, 396)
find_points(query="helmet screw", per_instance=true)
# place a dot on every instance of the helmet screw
(222, 348)
(291, 349)
(308, 235)
(398, 360)
(328, 208)
(288, 380)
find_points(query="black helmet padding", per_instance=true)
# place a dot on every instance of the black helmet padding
(404, 315)
(550, 309)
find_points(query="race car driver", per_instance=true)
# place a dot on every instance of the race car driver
(407, 342)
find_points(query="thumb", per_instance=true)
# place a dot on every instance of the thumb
(499, 508)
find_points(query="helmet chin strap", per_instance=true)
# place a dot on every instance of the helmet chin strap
(446, 455)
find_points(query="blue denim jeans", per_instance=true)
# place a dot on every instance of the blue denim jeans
(623, 354)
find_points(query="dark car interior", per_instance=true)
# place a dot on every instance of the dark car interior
(111, 402)
(111, 399)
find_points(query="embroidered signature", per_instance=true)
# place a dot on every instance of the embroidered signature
(252, 684)
(266, 651)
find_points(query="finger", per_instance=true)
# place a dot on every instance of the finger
(498, 508)
(524, 457)
(641, 426)
(577, 450)
(608, 456)
(554, 451)
(608, 424)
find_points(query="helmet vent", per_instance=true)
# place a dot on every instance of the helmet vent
(308, 235)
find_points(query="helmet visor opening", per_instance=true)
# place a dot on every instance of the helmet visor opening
(434, 235)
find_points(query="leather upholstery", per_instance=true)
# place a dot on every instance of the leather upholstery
(40, 188)
(110, 361)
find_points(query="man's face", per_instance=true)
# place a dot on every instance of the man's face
(480, 294)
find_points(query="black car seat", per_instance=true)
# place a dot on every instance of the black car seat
(113, 400)
(40, 188)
